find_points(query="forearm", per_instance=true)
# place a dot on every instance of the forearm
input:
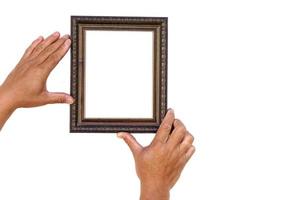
(5, 109)
(154, 192)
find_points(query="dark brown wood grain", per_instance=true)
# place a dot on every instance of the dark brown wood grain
(78, 122)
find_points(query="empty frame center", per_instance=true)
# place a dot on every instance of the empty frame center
(118, 74)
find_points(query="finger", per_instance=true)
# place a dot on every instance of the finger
(33, 45)
(190, 153)
(58, 97)
(55, 57)
(132, 143)
(43, 45)
(51, 49)
(178, 133)
(186, 143)
(187, 156)
(165, 127)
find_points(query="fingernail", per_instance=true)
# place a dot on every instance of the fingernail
(55, 33)
(170, 110)
(69, 100)
(66, 36)
(68, 42)
(39, 38)
(120, 135)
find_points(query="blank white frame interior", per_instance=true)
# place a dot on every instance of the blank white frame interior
(118, 74)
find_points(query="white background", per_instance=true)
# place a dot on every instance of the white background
(119, 74)
(234, 79)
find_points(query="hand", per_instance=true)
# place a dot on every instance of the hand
(160, 164)
(25, 86)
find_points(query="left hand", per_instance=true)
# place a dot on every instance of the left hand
(26, 84)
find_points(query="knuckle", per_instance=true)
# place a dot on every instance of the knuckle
(38, 60)
(57, 56)
(165, 150)
(61, 99)
(50, 50)
(190, 137)
(31, 62)
(155, 143)
(177, 122)
(61, 41)
(186, 145)
(39, 71)
(54, 58)
(192, 150)
(182, 161)
(39, 48)
(166, 126)
(181, 130)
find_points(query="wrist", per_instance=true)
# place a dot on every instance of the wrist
(154, 191)
(6, 107)
(6, 101)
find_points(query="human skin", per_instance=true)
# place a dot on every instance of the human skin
(26, 86)
(160, 164)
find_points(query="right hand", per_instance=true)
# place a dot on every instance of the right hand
(160, 164)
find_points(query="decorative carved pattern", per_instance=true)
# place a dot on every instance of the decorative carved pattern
(79, 126)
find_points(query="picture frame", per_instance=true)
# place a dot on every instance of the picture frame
(118, 74)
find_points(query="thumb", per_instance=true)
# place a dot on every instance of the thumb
(132, 143)
(58, 97)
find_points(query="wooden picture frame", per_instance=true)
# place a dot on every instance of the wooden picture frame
(81, 29)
